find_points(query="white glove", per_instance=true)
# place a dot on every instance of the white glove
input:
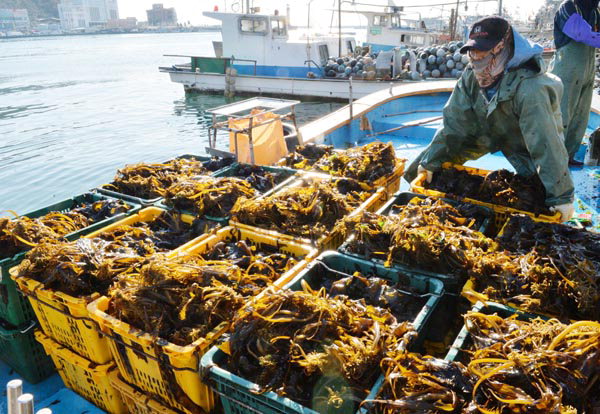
(566, 211)
(422, 169)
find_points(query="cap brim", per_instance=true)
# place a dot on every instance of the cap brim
(478, 44)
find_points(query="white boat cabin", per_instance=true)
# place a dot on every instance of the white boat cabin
(261, 44)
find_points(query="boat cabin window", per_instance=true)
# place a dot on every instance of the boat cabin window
(380, 20)
(278, 27)
(395, 20)
(349, 46)
(254, 25)
(323, 54)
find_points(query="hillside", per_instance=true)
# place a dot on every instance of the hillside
(37, 8)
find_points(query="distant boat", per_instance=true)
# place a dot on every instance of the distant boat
(269, 59)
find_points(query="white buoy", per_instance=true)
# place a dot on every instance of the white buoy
(44, 411)
(25, 403)
(14, 389)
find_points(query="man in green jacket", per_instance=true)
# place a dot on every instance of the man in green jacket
(505, 102)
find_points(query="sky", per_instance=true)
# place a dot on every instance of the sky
(191, 10)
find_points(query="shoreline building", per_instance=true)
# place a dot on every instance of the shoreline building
(85, 14)
(159, 16)
(14, 20)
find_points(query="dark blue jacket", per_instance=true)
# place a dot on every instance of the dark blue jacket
(588, 9)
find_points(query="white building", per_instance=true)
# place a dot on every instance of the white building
(79, 14)
(14, 19)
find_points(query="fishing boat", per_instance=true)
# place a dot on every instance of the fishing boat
(391, 28)
(406, 115)
(269, 58)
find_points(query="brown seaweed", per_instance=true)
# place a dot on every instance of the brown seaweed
(427, 234)
(500, 187)
(22, 233)
(305, 156)
(367, 163)
(259, 177)
(78, 268)
(318, 350)
(152, 180)
(208, 196)
(182, 299)
(310, 211)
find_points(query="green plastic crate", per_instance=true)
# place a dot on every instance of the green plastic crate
(20, 350)
(463, 339)
(237, 396)
(153, 201)
(484, 220)
(283, 173)
(14, 307)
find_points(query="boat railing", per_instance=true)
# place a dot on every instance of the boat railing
(308, 62)
(213, 64)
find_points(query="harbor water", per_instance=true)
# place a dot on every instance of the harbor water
(74, 109)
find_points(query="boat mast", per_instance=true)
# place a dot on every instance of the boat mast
(339, 27)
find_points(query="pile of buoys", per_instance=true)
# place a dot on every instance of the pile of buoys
(444, 61)
(439, 61)
(362, 67)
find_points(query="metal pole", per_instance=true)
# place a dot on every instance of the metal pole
(351, 99)
(339, 27)
(499, 7)
(250, 143)
(25, 403)
(14, 389)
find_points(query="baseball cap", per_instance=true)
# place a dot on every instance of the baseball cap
(486, 33)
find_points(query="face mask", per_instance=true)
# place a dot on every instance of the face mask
(490, 69)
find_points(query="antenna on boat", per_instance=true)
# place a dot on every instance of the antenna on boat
(339, 27)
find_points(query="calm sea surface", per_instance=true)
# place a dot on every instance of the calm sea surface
(75, 109)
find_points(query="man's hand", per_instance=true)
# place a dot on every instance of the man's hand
(422, 169)
(566, 211)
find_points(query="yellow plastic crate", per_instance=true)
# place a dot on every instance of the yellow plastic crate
(166, 371)
(65, 319)
(147, 215)
(135, 401)
(391, 183)
(86, 378)
(502, 212)
(330, 241)
(228, 234)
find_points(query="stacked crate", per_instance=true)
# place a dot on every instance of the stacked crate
(18, 347)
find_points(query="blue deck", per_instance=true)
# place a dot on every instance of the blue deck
(50, 393)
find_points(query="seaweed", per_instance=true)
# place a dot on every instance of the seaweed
(308, 211)
(367, 163)
(500, 187)
(305, 156)
(182, 299)
(259, 177)
(22, 233)
(319, 350)
(208, 196)
(152, 180)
